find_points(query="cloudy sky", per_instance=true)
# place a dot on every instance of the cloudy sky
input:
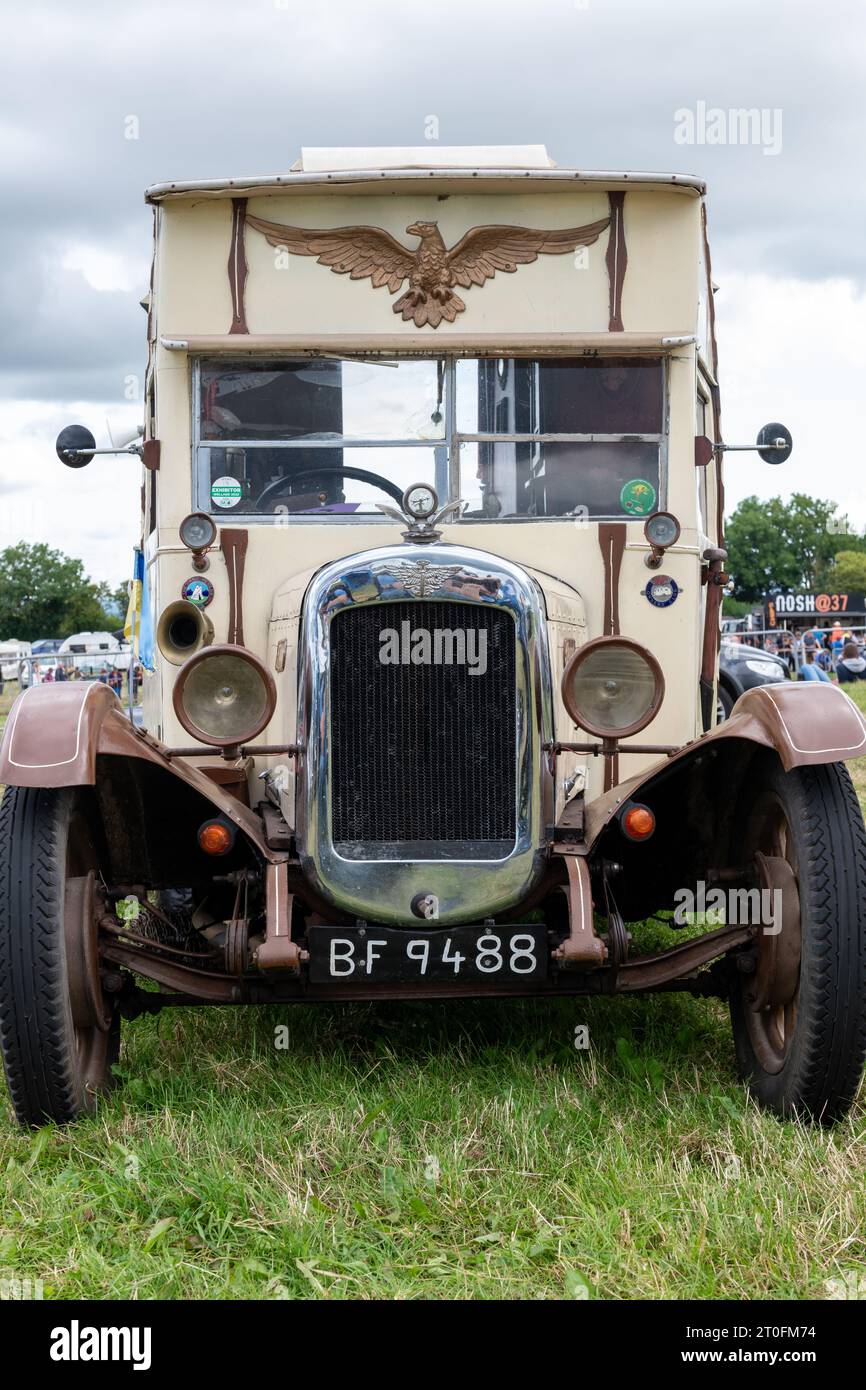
(220, 88)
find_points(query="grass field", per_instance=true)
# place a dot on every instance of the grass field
(436, 1151)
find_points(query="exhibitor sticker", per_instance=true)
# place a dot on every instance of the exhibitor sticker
(225, 492)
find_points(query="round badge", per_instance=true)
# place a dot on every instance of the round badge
(662, 591)
(198, 591)
(225, 492)
(637, 497)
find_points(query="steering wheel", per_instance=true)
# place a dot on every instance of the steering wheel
(361, 475)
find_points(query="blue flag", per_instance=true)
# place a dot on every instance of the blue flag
(138, 628)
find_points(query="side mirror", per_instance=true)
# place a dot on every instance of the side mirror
(75, 446)
(774, 443)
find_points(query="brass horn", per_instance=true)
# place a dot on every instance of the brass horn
(182, 629)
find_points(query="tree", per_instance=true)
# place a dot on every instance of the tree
(849, 572)
(44, 593)
(775, 546)
(115, 603)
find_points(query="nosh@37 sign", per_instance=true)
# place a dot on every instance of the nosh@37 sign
(778, 607)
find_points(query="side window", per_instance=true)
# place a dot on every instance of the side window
(702, 417)
(150, 476)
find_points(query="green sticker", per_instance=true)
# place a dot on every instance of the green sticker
(225, 492)
(637, 497)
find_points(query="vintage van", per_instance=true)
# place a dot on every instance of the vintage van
(432, 519)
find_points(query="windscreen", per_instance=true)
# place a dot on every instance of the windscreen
(513, 437)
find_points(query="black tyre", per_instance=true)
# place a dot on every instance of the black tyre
(799, 1019)
(725, 701)
(58, 1034)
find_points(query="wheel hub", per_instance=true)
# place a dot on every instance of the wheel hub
(81, 931)
(774, 983)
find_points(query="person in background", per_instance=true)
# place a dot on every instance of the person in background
(824, 659)
(851, 666)
(810, 670)
(60, 673)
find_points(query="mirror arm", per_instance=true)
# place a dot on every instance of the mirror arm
(127, 449)
(750, 448)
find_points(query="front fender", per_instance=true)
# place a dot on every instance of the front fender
(56, 733)
(52, 735)
(803, 723)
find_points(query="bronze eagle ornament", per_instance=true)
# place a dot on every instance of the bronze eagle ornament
(432, 269)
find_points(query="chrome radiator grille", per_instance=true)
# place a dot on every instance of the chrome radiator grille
(423, 757)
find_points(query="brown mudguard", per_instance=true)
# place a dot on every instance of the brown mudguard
(805, 723)
(55, 733)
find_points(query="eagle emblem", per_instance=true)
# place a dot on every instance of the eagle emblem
(432, 268)
(421, 578)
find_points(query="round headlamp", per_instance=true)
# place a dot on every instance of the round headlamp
(224, 695)
(612, 687)
(198, 533)
(662, 530)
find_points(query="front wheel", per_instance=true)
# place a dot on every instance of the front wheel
(725, 702)
(58, 1034)
(799, 1017)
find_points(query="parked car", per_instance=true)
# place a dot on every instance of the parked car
(437, 615)
(742, 668)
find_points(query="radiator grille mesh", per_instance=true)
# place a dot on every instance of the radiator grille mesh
(422, 755)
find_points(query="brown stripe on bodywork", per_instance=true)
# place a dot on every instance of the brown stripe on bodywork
(617, 260)
(238, 266)
(611, 539)
(234, 548)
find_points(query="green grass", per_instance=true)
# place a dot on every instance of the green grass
(858, 767)
(435, 1151)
